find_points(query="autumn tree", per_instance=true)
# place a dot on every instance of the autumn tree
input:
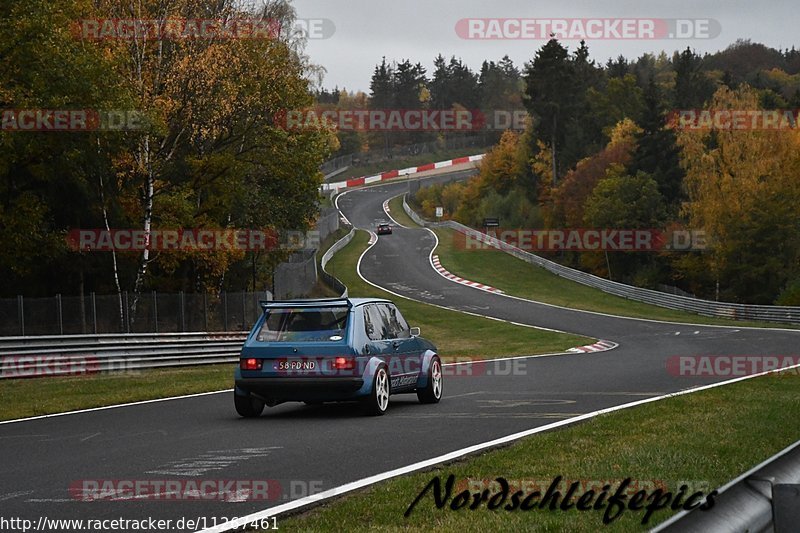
(48, 179)
(743, 192)
(213, 154)
(621, 201)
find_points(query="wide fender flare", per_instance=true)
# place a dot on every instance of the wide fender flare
(427, 357)
(369, 373)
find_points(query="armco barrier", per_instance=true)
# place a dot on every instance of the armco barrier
(79, 354)
(770, 313)
(763, 499)
(331, 280)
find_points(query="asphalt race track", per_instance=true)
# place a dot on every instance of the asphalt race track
(317, 448)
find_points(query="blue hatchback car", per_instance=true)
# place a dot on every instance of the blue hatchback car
(330, 350)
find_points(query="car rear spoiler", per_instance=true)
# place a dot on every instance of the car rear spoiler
(316, 302)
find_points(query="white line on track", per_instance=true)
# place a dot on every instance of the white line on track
(142, 402)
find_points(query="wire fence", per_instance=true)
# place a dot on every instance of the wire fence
(151, 312)
(156, 312)
(296, 277)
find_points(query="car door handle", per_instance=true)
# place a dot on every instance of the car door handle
(396, 344)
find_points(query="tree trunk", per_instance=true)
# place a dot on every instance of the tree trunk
(146, 226)
(115, 268)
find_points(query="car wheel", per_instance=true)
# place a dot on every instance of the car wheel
(432, 392)
(247, 406)
(377, 402)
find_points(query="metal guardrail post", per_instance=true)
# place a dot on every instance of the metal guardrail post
(182, 310)
(21, 314)
(126, 312)
(225, 309)
(155, 311)
(205, 311)
(83, 311)
(244, 311)
(60, 317)
(785, 506)
(94, 313)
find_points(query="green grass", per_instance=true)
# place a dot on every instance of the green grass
(518, 278)
(399, 214)
(706, 438)
(455, 334)
(40, 396)
(399, 163)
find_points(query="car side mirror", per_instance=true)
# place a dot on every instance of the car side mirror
(415, 332)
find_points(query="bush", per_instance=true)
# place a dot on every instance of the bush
(790, 295)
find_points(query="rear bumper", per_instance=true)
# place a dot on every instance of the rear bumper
(299, 389)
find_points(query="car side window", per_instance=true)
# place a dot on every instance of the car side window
(397, 326)
(404, 328)
(373, 323)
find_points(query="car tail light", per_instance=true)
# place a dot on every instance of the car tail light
(344, 363)
(251, 363)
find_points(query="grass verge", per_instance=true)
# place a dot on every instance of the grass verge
(21, 398)
(702, 439)
(516, 277)
(399, 214)
(455, 334)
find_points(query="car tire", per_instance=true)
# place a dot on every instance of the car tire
(247, 406)
(377, 402)
(432, 392)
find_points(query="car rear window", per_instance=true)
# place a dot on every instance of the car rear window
(314, 324)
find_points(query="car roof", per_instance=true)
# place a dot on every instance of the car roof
(361, 301)
(312, 302)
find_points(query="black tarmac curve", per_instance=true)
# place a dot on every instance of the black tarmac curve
(304, 449)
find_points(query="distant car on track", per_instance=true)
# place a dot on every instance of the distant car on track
(335, 349)
(384, 229)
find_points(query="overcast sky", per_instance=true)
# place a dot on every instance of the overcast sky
(366, 30)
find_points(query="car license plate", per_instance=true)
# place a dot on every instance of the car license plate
(296, 364)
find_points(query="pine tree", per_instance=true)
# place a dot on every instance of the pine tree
(381, 87)
(550, 95)
(657, 153)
